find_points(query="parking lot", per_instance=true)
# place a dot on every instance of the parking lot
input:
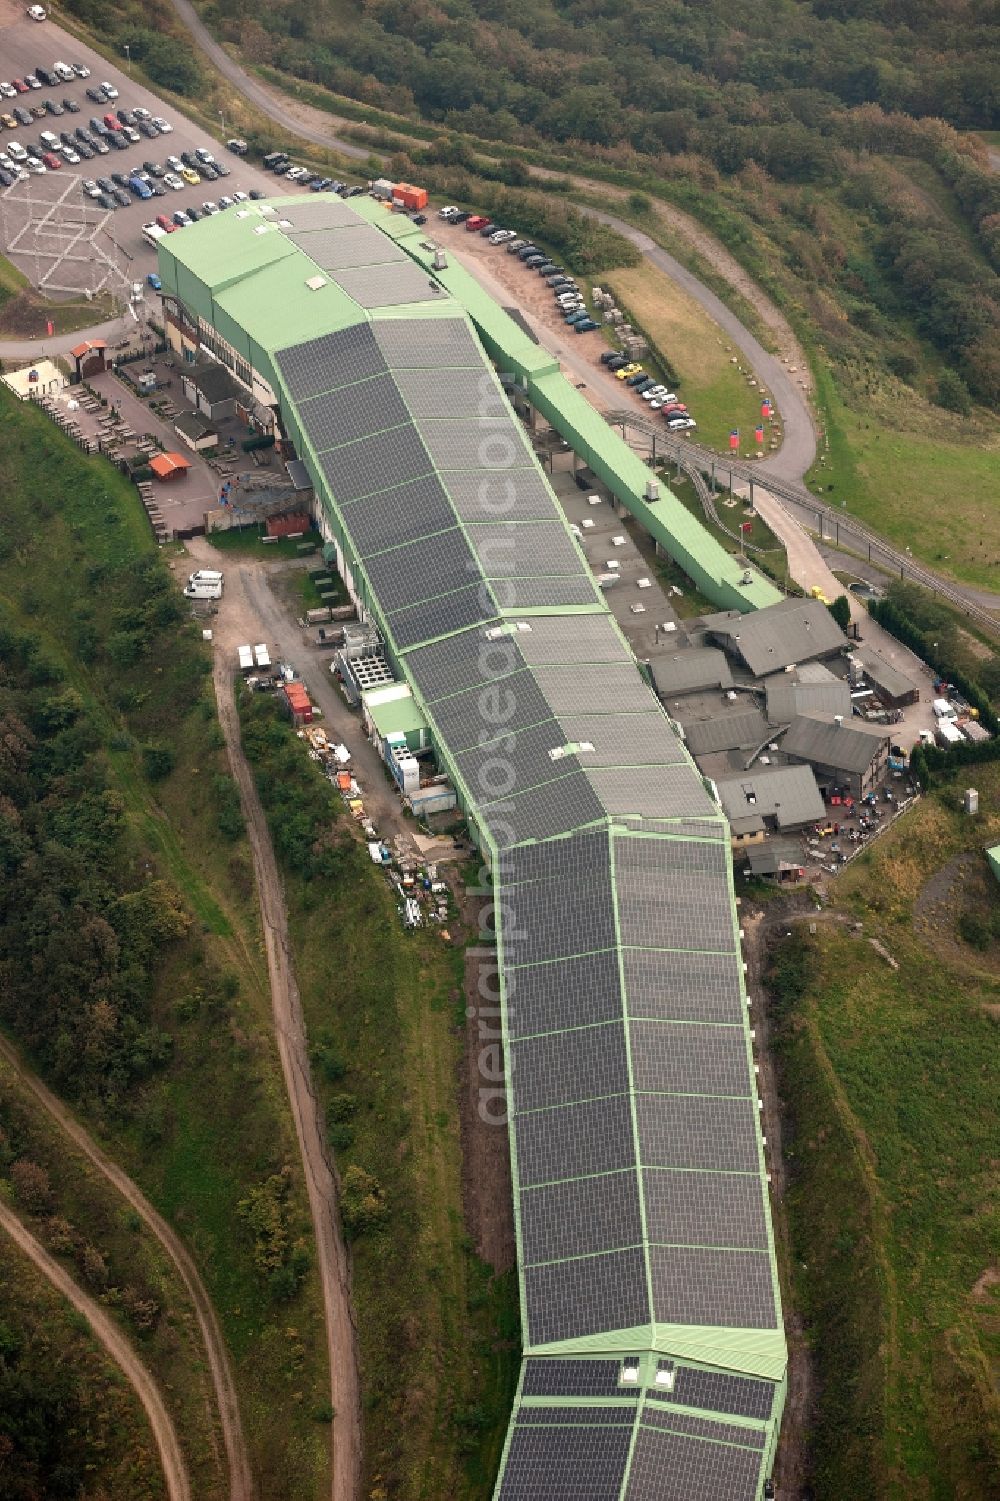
(48, 227)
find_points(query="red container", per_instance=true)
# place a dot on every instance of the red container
(409, 196)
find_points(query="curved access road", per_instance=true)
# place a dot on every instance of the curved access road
(798, 449)
(268, 101)
(290, 1033)
(121, 1352)
(241, 1486)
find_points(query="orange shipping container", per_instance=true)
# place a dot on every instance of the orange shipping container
(409, 196)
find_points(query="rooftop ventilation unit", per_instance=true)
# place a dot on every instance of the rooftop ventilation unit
(665, 1380)
(315, 282)
(440, 262)
(630, 1373)
(652, 490)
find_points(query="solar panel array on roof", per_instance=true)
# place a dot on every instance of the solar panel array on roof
(674, 1467)
(593, 1136)
(572, 992)
(359, 468)
(350, 412)
(585, 1296)
(411, 624)
(328, 361)
(728, 1289)
(723, 1433)
(452, 393)
(427, 345)
(501, 495)
(508, 550)
(687, 1131)
(335, 248)
(405, 513)
(720, 1391)
(476, 443)
(579, 1216)
(565, 1464)
(584, 638)
(430, 566)
(319, 213)
(385, 286)
(573, 1378)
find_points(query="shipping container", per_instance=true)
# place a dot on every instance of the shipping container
(948, 732)
(943, 709)
(261, 654)
(246, 658)
(409, 197)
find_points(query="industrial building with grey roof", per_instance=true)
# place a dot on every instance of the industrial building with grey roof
(654, 1354)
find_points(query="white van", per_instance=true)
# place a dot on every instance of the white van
(203, 591)
(65, 72)
(205, 576)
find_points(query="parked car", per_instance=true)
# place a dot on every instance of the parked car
(173, 182)
(190, 177)
(96, 95)
(237, 146)
(209, 208)
(181, 218)
(70, 106)
(194, 214)
(81, 70)
(474, 222)
(70, 155)
(54, 107)
(585, 326)
(23, 116)
(163, 126)
(487, 229)
(165, 222)
(139, 188)
(121, 197)
(110, 92)
(90, 187)
(107, 202)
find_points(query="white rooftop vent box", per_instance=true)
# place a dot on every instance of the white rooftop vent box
(613, 564)
(664, 1380)
(630, 1373)
(524, 625)
(268, 209)
(589, 522)
(773, 746)
(765, 760)
(593, 500)
(731, 695)
(638, 608)
(671, 625)
(315, 282)
(575, 529)
(440, 262)
(618, 541)
(644, 583)
(284, 223)
(652, 490)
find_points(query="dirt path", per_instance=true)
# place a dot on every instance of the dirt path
(121, 1352)
(320, 1175)
(241, 1485)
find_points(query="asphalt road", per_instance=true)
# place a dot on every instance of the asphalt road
(268, 101)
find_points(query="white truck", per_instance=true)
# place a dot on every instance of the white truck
(205, 576)
(943, 709)
(206, 590)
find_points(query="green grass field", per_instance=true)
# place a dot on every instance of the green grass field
(913, 476)
(248, 541)
(889, 1076)
(214, 1122)
(715, 392)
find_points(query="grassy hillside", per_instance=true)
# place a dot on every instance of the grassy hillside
(127, 828)
(68, 1417)
(437, 1330)
(888, 1071)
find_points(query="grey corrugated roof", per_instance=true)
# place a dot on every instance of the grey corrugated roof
(213, 381)
(192, 425)
(786, 793)
(885, 676)
(688, 671)
(793, 630)
(788, 695)
(850, 746)
(767, 859)
(746, 728)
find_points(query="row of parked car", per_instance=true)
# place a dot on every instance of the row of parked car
(659, 398)
(281, 164)
(152, 180)
(568, 297)
(112, 132)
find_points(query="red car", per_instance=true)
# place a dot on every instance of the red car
(51, 161)
(112, 122)
(475, 222)
(20, 85)
(166, 223)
